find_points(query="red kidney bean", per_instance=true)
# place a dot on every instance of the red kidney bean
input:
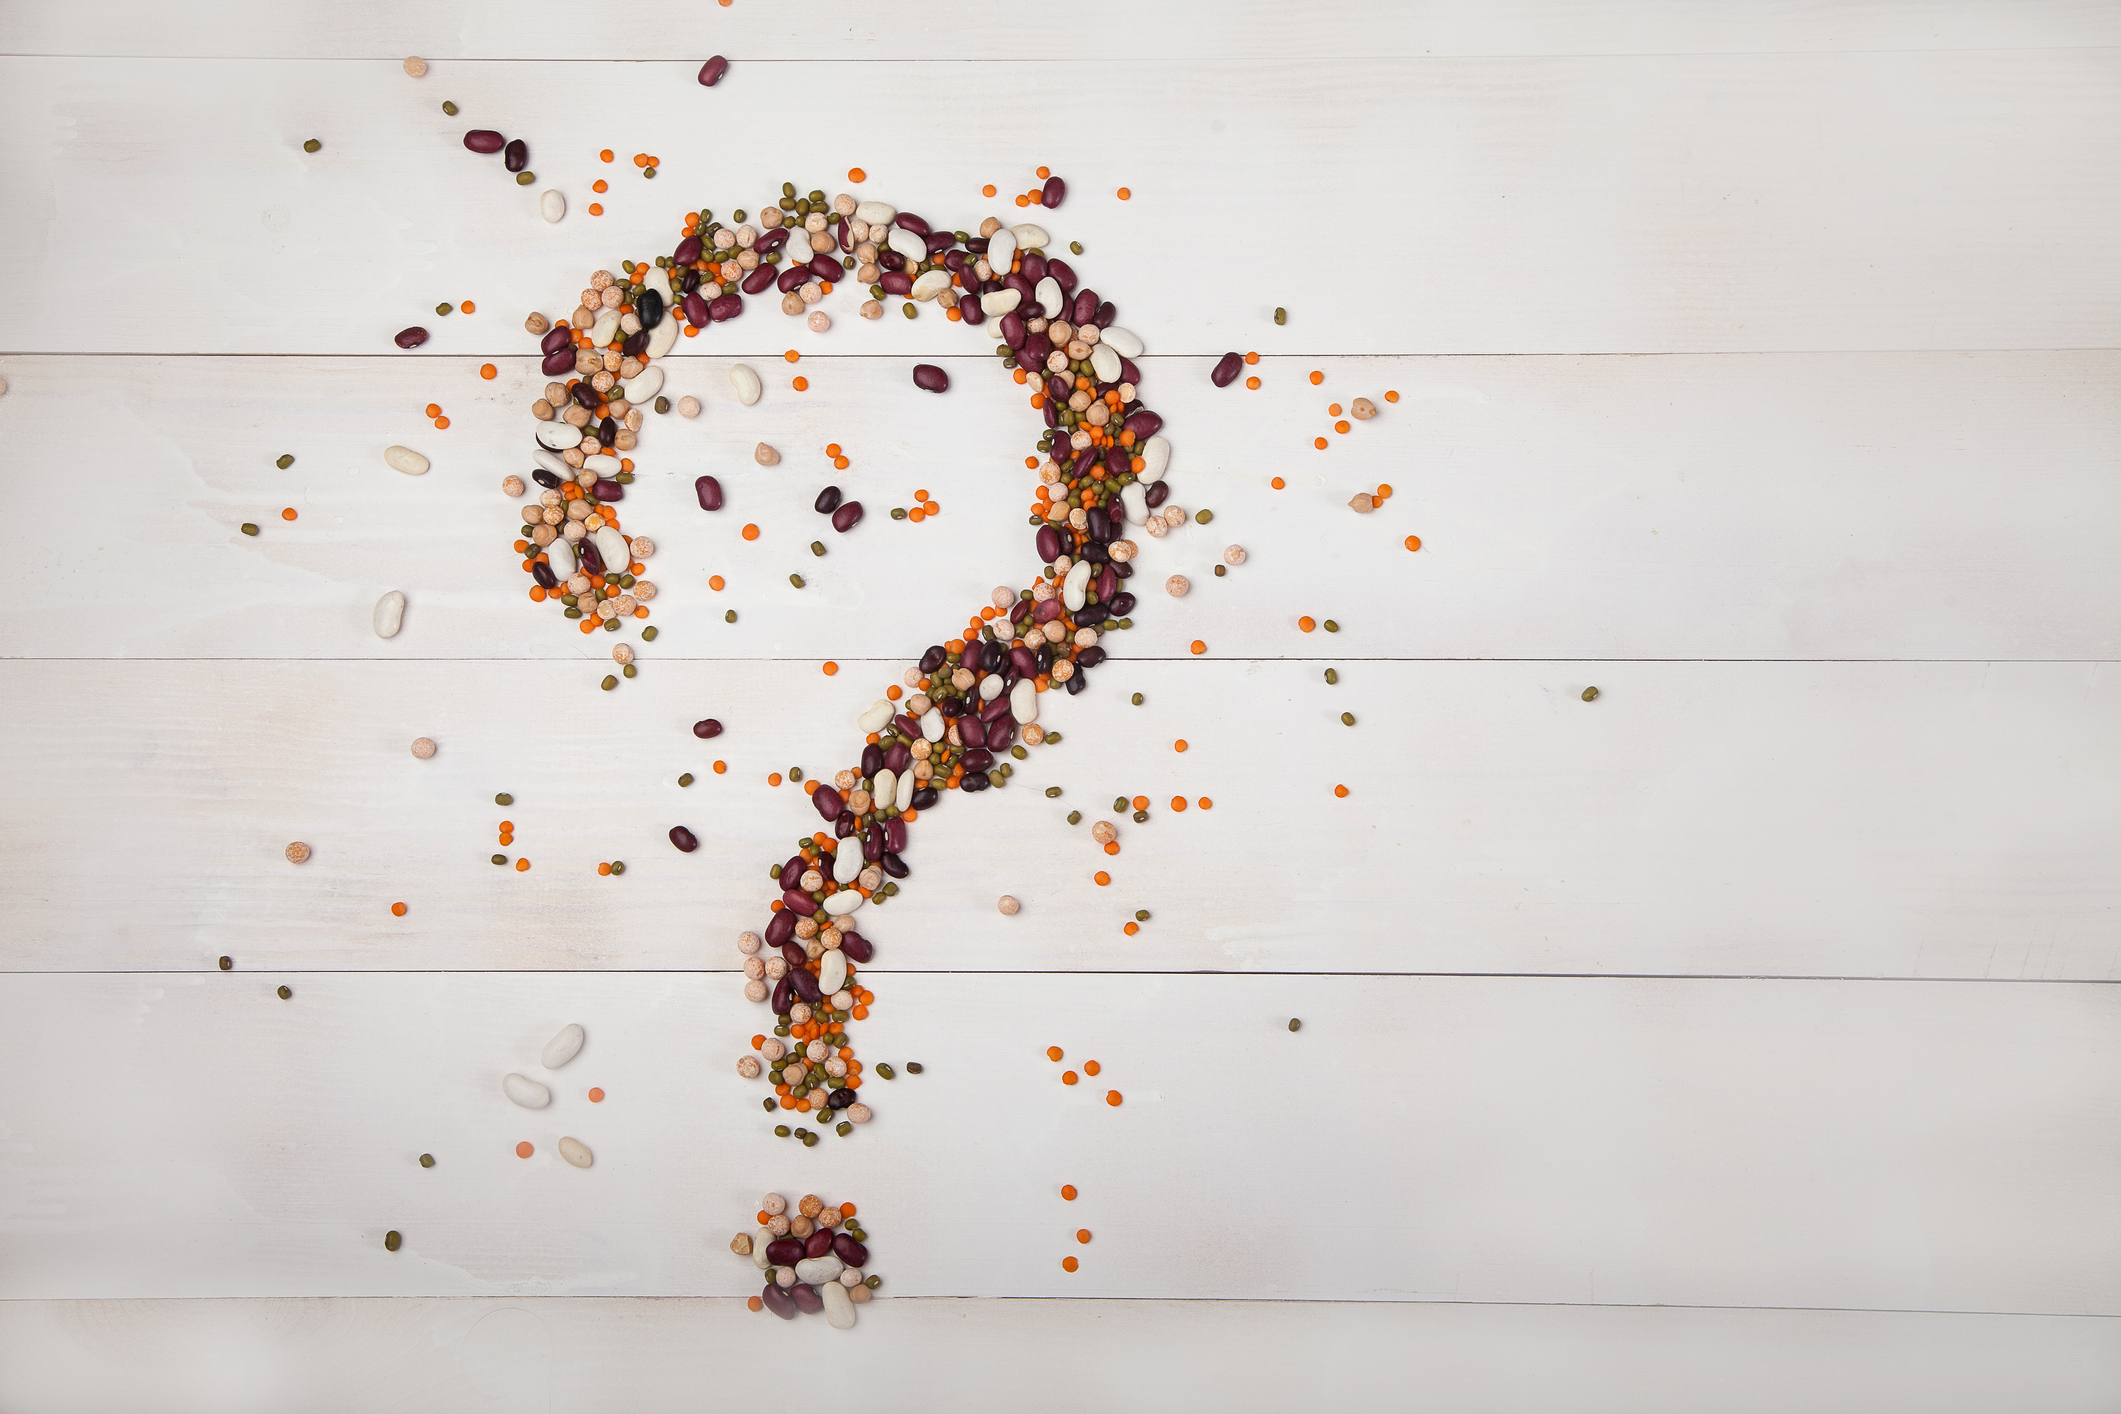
(709, 491)
(994, 710)
(792, 952)
(791, 277)
(933, 658)
(827, 501)
(1053, 193)
(542, 573)
(792, 871)
(978, 758)
(1019, 611)
(784, 990)
(845, 235)
(727, 307)
(872, 760)
(1051, 413)
(560, 360)
(895, 282)
(415, 336)
(972, 731)
(843, 824)
(1047, 611)
(805, 1295)
(1058, 387)
(849, 1251)
(1121, 605)
(1033, 268)
(684, 839)
(778, 1301)
(711, 72)
(824, 267)
(785, 1251)
(770, 242)
(1013, 329)
(954, 262)
(890, 260)
(806, 986)
(592, 559)
(779, 929)
(828, 801)
(894, 836)
(516, 156)
(977, 244)
(696, 311)
(968, 309)
(873, 842)
(796, 901)
(1037, 346)
(818, 1243)
(1226, 369)
(609, 490)
(1107, 585)
(1143, 425)
(757, 281)
(897, 756)
(1049, 548)
(907, 221)
(847, 517)
(1128, 373)
(1084, 307)
(907, 725)
(484, 140)
(1025, 663)
(857, 947)
(938, 242)
(928, 376)
(1107, 314)
(1063, 274)
(688, 251)
(706, 727)
(1097, 524)
(1159, 492)
(557, 337)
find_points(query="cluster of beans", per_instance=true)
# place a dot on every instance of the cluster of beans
(974, 698)
(515, 153)
(815, 1258)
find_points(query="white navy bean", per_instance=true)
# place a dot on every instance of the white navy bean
(832, 967)
(618, 556)
(847, 864)
(1073, 587)
(990, 686)
(664, 336)
(884, 790)
(390, 613)
(552, 462)
(745, 382)
(1123, 342)
(576, 1152)
(1048, 294)
(1156, 458)
(875, 213)
(931, 723)
(1023, 701)
(1134, 500)
(844, 902)
(607, 325)
(1103, 361)
(928, 286)
(997, 302)
(407, 460)
(602, 463)
(873, 720)
(819, 1270)
(907, 785)
(839, 1306)
(1001, 252)
(914, 248)
(563, 1047)
(552, 205)
(643, 389)
(1030, 236)
(525, 1091)
(559, 436)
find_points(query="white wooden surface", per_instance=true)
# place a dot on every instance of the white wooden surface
(1784, 1075)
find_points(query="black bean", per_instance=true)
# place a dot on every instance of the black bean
(828, 501)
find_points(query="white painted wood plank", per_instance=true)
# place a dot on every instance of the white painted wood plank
(1928, 506)
(1516, 205)
(1761, 1143)
(1252, 29)
(1908, 820)
(640, 1356)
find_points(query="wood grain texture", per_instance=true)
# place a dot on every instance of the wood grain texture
(1943, 1146)
(619, 1356)
(1854, 506)
(1251, 29)
(1894, 820)
(1648, 204)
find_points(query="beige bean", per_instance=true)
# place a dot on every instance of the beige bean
(1008, 905)
(416, 66)
(512, 486)
(1363, 409)
(536, 323)
(1178, 586)
(765, 455)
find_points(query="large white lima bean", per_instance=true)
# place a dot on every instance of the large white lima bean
(525, 1091)
(389, 614)
(407, 460)
(552, 205)
(746, 383)
(563, 1047)
(839, 1306)
(576, 1152)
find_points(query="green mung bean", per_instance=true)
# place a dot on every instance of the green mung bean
(312, 146)
(287, 459)
(1332, 675)
(610, 682)
(686, 779)
(1296, 1023)
(1347, 719)
(648, 634)
(449, 108)
(1590, 694)
(500, 859)
(1281, 316)
(427, 1161)
(1075, 817)
(391, 1241)
(285, 993)
(249, 529)
(630, 670)
(504, 798)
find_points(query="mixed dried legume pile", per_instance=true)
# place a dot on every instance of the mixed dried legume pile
(814, 1259)
(974, 698)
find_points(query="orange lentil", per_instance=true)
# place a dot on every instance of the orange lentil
(524, 1150)
(1392, 395)
(596, 1095)
(1091, 1067)
(441, 424)
(1022, 202)
(1068, 1077)
(1082, 1235)
(1054, 1053)
(1332, 409)
(987, 190)
(1114, 1098)
(720, 767)
(773, 779)
(488, 371)
(839, 463)
(1320, 444)
(1341, 427)
(831, 668)
(1199, 647)
(1131, 929)
(1068, 1264)
(916, 515)
(288, 514)
(1307, 623)
(434, 409)
(1340, 791)
(801, 385)
(931, 508)
(792, 356)
(605, 154)
(596, 209)
(1277, 483)
(1179, 745)
(856, 174)
(603, 869)
(522, 865)
(751, 532)
(467, 307)
(397, 910)
(1413, 542)
(640, 159)
(1206, 804)
(715, 582)
(1102, 878)
(1178, 802)
(1068, 1192)
(1253, 383)
(1124, 194)
(1317, 377)
(753, 1303)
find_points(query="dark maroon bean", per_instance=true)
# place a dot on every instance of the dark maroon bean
(894, 838)
(1144, 425)
(990, 711)
(688, 251)
(1098, 524)
(545, 478)
(1128, 373)
(609, 490)
(824, 267)
(1020, 610)
(1076, 684)
(907, 221)
(711, 72)
(757, 281)
(684, 839)
(972, 731)
(484, 140)
(933, 658)
(817, 1244)
(973, 785)
(792, 871)
(727, 307)
(783, 990)
(925, 796)
(857, 947)
(806, 987)
(928, 376)
(897, 756)
(968, 309)
(1049, 548)
(827, 501)
(1023, 287)
(542, 573)
(696, 310)
(1058, 387)
(583, 394)
(558, 337)
(708, 490)
(977, 244)
(608, 428)
(649, 308)
(777, 1301)
(1036, 347)
(1063, 275)
(796, 901)
(560, 360)
(1025, 663)
(1013, 329)
(1053, 193)
(1159, 492)
(792, 952)
(1107, 585)
(1124, 570)
(828, 801)
(873, 842)
(790, 277)
(1121, 605)
(907, 725)
(849, 1251)
(847, 517)
(592, 558)
(891, 260)
(1051, 413)
(516, 156)
(688, 281)
(839, 1099)
(894, 866)
(806, 1298)
(706, 727)
(978, 758)
(1089, 657)
(1085, 305)
(785, 1251)
(1105, 315)
(415, 336)
(1226, 369)
(636, 344)
(843, 824)
(1047, 611)
(938, 242)
(872, 759)
(779, 929)
(770, 242)
(895, 282)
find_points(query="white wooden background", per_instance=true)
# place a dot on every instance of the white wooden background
(1744, 1040)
